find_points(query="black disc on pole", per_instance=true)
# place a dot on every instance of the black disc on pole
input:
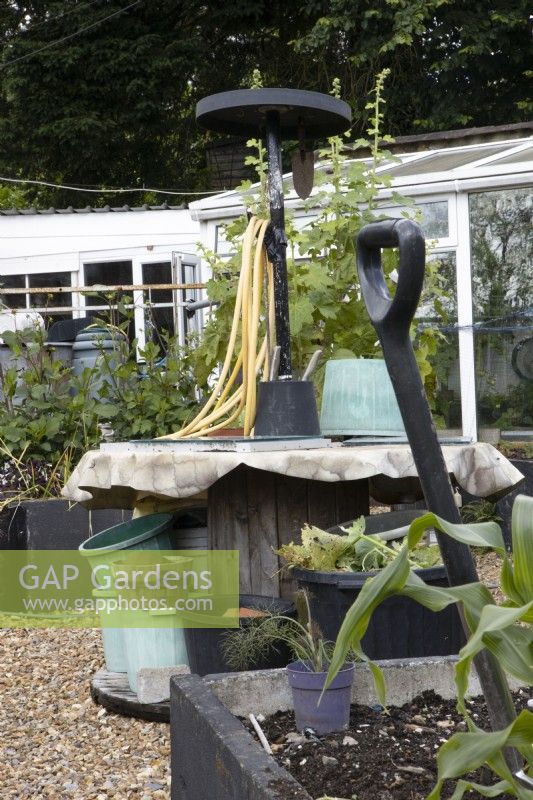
(243, 112)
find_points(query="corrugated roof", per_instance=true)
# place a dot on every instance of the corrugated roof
(13, 212)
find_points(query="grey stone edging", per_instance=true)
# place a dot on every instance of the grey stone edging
(267, 691)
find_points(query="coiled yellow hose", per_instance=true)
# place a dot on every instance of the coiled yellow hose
(223, 408)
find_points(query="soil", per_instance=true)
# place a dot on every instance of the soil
(518, 450)
(382, 756)
(29, 480)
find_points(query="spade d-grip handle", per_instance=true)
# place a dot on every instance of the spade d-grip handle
(392, 318)
(387, 313)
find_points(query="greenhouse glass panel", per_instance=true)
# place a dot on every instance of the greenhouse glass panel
(502, 255)
(444, 389)
(444, 161)
(433, 217)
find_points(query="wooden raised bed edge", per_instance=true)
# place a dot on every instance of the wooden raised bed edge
(213, 755)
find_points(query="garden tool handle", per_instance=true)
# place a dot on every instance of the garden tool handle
(391, 313)
(392, 319)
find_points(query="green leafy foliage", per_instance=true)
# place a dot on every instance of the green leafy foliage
(245, 646)
(114, 106)
(147, 400)
(354, 551)
(44, 409)
(11, 197)
(505, 630)
(480, 511)
(50, 416)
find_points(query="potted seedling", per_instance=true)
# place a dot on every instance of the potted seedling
(322, 711)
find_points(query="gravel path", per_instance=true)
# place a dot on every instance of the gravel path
(55, 742)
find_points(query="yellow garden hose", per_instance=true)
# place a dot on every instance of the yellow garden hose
(224, 405)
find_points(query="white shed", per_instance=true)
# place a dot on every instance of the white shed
(72, 248)
(476, 201)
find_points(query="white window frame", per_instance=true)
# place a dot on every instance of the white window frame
(172, 254)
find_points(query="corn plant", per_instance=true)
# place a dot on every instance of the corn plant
(506, 630)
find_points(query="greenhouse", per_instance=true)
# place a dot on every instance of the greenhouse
(475, 204)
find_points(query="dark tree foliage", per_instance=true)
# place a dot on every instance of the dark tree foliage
(114, 104)
(453, 63)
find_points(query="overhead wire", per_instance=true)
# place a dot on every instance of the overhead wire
(104, 191)
(48, 45)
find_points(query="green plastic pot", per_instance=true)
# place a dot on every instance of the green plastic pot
(358, 399)
(112, 638)
(153, 647)
(151, 532)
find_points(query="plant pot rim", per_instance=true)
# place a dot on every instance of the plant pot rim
(295, 666)
(339, 577)
(136, 531)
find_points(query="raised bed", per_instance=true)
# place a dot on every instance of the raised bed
(212, 755)
(53, 524)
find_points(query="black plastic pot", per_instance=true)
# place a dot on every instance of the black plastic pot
(505, 504)
(204, 644)
(286, 408)
(399, 627)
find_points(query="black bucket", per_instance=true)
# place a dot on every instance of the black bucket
(204, 644)
(399, 627)
(286, 408)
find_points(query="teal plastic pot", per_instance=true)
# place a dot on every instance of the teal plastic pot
(358, 399)
(153, 647)
(112, 638)
(151, 532)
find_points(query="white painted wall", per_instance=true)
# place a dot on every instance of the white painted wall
(32, 243)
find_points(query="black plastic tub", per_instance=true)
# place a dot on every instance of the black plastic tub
(204, 644)
(399, 628)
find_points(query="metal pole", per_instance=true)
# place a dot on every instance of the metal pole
(278, 246)
(392, 319)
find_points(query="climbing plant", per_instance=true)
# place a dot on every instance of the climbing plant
(325, 303)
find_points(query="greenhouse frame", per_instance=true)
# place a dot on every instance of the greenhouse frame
(475, 204)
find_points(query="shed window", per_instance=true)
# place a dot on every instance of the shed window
(13, 282)
(108, 273)
(159, 309)
(53, 306)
